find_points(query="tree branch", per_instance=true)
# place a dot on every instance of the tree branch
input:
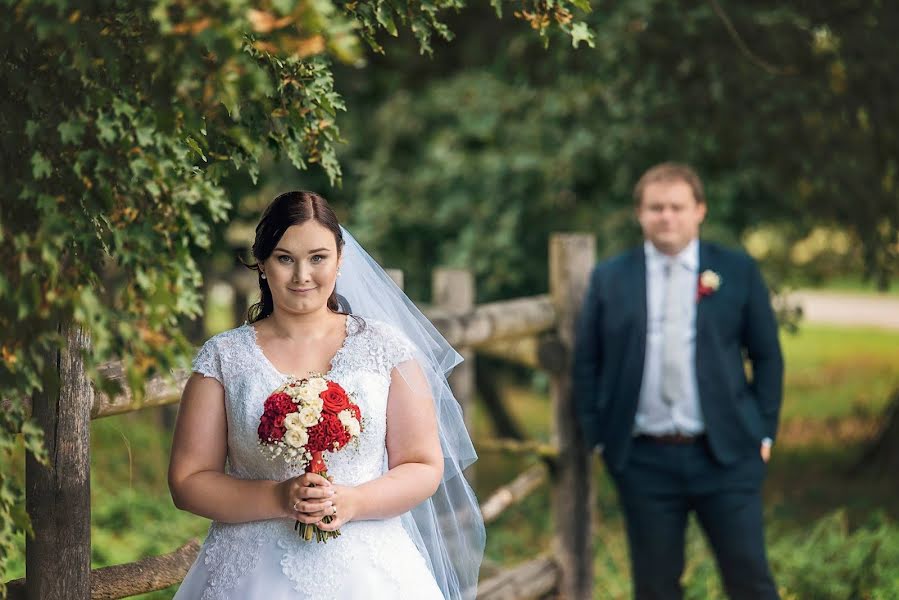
(735, 36)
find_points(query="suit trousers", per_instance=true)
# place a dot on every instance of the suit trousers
(660, 485)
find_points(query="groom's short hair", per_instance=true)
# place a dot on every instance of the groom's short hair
(668, 172)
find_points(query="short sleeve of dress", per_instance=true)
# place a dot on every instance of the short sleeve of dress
(397, 347)
(208, 361)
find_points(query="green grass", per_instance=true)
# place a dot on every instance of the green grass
(833, 376)
(836, 372)
(132, 514)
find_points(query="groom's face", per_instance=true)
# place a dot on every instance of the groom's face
(670, 215)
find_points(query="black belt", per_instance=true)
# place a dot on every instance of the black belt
(672, 438)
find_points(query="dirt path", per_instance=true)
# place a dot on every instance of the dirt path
(839, 308)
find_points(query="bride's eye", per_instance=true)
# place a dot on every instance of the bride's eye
(317, 259)
(284, 258)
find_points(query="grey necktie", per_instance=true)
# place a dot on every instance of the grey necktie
(674, 335)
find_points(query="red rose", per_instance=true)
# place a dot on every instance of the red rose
(334, 398)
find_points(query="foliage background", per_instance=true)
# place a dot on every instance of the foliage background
(140, 140)
(495, 143)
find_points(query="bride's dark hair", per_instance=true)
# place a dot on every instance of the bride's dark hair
(288, 209)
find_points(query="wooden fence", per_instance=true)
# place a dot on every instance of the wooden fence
(536, 331)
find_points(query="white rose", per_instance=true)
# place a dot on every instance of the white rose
(309, 416)
(316, 404)
(292, 421)
(296, 438)
(306, 394)
(710, 279)
(317, 385)
(350, 423)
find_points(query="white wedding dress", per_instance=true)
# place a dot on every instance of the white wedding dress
(266, 560)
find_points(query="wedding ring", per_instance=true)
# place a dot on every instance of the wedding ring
(334, 510)
(295, 507)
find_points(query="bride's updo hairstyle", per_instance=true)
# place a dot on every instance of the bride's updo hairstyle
(288, 209)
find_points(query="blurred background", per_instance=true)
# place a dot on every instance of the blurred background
(472, 156)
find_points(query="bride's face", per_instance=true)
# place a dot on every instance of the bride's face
(302, 269)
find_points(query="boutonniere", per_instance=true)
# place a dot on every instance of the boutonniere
(709, 282)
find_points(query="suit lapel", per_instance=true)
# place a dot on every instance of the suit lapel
(702, 303)
(638, 285)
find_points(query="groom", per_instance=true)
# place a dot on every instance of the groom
(662, 390)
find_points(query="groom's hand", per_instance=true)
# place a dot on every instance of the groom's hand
(766, 451)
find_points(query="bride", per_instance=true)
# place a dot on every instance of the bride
(409, 523)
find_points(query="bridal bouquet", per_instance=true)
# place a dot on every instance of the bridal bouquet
(302, 420)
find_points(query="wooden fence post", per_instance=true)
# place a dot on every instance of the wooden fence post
(571, 257)
(453, 291)
(397, 276)
(58, 558)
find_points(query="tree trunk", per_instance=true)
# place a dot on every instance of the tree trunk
(58, 557)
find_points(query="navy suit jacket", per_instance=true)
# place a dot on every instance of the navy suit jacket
(733, 323)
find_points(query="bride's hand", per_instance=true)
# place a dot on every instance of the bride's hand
(344, 506)
(306, 498)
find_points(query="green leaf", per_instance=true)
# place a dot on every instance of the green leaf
(71, 131)
(144, 134)
(31, 128)
(40, 166)
(580, 32)
(385, 17)
(34, 441)
(122, 108)
(584, 5)
(196, 147)
(105, 128)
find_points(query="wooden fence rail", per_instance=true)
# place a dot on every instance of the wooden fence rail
(120, 581)
(537, 331)
(532, 579)
(494, 326)
(513, 492)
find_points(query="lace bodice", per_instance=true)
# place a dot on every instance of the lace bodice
(362, 365)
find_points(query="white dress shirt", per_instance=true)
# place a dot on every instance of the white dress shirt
(654, 416)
